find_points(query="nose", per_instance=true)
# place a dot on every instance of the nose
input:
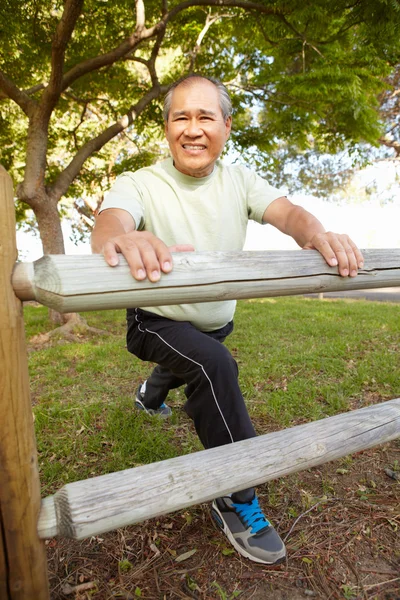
(193, 128)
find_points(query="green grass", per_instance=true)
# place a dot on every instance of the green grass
(299, 360)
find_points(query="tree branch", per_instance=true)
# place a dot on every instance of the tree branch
(210, 20)
(391, 144)
(140, 15)
(139, 59)
(266, 38)
(104, 60)
(28, 92)
(247, 5)
(141, 34)
(154, 54)
(11, 91)
(292, 28)
(75, 129)
(72, 170)
(150, 63)
(62, 36)
(90, 101)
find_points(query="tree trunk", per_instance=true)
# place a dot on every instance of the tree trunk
(49, 224)
(51, 235)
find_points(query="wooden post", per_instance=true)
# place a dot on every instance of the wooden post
(23, 571)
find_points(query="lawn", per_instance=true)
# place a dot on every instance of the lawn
(299, 360)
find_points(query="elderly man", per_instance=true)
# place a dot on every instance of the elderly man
(192, 201)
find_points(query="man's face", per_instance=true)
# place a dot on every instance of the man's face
(196, 130)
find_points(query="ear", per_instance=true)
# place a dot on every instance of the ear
(228, 127)
(166, 128)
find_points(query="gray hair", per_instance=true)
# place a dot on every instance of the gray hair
(224, 98)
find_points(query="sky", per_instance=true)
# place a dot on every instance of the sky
(373, 222)
(369, 224)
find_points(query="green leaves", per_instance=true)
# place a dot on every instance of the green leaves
(304, 78)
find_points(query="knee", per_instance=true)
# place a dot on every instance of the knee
(221, 360)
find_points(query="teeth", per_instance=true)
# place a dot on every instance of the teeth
(188, 147)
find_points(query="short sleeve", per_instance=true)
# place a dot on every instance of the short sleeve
(125, 193)
(260, 194)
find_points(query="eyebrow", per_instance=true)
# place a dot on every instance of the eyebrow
(202, 111)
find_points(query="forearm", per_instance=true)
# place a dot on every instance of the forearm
(302, 226)
(337, 248)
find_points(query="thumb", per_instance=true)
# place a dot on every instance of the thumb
(110, 252)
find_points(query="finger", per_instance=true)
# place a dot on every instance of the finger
(337, 249)
(350, 263)
(320, 243)
(155, 255)
(110, 254)
(358, 254)
(151, 259)
(133, 257)
(342, 254)
(352, 260)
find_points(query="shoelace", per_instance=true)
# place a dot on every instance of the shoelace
(252, 515)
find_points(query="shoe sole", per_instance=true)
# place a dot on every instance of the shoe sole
(220, 522)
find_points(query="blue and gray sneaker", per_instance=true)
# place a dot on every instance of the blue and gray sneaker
(162, 411)
(248, 530)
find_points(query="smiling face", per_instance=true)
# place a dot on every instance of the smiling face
(196, 129)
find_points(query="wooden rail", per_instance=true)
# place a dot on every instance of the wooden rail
(81, 283)
(94, 506)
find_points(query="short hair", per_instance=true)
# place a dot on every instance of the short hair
(224, 98)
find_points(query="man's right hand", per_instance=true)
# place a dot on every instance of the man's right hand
(146, 255)
(115, 233)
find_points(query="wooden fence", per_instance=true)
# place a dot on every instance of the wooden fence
(103, 503)
(79, 283)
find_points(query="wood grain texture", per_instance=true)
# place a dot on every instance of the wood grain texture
(3, 566)
(23, 570)
(82, 283)
(94, 506)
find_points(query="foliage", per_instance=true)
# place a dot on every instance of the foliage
(81, 86)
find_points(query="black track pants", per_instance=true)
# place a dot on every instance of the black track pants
(185, 355)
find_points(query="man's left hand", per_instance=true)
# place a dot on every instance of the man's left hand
(338, 250)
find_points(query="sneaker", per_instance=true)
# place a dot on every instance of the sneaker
(248, 530)
(163, 410)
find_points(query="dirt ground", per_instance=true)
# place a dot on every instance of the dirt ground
(341, 524)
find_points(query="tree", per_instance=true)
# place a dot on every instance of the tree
(81, 85)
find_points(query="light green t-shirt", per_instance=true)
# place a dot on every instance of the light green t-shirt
(211, 213)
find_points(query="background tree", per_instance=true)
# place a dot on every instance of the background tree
(81, 86)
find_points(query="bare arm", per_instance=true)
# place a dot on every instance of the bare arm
(115, 233)
(309, 233)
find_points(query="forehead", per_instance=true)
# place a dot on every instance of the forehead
(198, 95)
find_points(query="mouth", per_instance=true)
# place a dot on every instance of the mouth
(193, 147)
